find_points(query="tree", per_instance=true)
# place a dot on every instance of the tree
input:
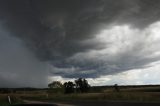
(69, 87)
(116, 88)
(55, 84)
(82, 85)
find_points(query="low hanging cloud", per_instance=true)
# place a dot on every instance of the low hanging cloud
(79, 38)
(18, 66)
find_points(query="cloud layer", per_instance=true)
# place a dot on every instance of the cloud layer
(77, 38)
(125, 48)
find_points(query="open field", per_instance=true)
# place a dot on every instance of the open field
(122, 96)
(97, 94)
(4, 100)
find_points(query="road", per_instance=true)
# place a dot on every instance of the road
(89, 103)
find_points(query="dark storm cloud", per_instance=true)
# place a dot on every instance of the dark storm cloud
(58, 30)
(56, 25)
(18, 66)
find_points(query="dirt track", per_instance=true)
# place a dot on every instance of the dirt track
(39, 102)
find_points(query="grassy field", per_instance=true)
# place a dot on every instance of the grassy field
(112, 96)
(4, 100)
(107, 93)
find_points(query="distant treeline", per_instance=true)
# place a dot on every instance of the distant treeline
(14, 90)
(80, 85)
(146, 88)
(126, 86)
(92, 88)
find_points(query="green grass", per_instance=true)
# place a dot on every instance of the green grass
(4, 100)
(143, 94)
(110, 96)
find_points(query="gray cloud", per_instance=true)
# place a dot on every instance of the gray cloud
(64, 33)
(18, 66)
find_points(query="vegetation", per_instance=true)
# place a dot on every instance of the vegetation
(74, 91)
(82, 85)
(5, 102)
(55, 84)
(79, 86)
(116, 88)
(69, 87)
(110, 95)
(103, 93)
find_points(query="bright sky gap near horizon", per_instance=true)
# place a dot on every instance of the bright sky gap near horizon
(105, 41)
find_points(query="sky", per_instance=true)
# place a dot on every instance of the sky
(104, 41)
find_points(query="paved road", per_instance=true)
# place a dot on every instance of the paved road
(89, 103)
(116, 104)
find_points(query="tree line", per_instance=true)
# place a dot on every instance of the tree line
(79, 85)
